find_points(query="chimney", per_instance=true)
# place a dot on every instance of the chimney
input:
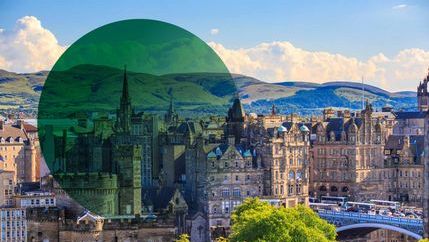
(20, 123)
(347, 114)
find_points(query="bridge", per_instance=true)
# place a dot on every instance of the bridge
(352, 220)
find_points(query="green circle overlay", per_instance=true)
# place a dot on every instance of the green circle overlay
(106, 81)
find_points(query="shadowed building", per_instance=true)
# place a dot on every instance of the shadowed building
(403, 169)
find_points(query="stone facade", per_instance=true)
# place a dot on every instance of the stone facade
(13, 224)
(19, 150)
(258, 157)
(54, 225)
(285, 154)
(7, 185)
(348, 156)
(233, 174)
(403, 169)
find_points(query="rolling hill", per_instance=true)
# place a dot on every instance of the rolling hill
(22, 92)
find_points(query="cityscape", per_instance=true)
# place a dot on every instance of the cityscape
(214, 121)
(152, 177)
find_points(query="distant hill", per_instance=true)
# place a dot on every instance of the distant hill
(22, 91)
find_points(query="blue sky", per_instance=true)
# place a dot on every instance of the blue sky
(358, 29)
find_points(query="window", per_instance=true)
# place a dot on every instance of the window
(225, 206)
(291, 175)
(298, 189)
(237, 178)
(236, 192)
(225, 192)
(290, 189)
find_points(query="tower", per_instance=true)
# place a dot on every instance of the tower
(235, 121)
(422, 95)
(426, 179)
(127, 157)
(171, 116)
(123, 114)
(128, 168)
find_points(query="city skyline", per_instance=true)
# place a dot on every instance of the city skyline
(382, 42)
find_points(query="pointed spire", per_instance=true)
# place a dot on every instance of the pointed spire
(171, 108)
(273, 110)
(125, 94)
(125, 111)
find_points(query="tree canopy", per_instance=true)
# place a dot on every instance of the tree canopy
(255, 220)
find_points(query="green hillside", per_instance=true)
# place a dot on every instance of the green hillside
(193, 92)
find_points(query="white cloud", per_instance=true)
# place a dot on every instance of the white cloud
(28, 47)
(399, 6)
(214, 31)
(281, 61)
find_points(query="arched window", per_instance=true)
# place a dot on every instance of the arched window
(291, 175)
(298, 175)
(345, 189)
(334, 189)
(322, 188)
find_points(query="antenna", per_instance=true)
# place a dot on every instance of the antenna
(363, 94)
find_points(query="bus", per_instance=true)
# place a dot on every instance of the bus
(341, 201)
(386, 204)
(324, 206)
(359, 207)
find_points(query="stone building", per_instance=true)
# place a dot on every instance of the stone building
(409, 123)
(56, 225)
(7, 187)
(285, 154)
(258, 157)
(13, 224)
(403, 169)
(35, 199)
(101, 166)
(233, 174)
(19, 150)
(423, 95)
(348, 156)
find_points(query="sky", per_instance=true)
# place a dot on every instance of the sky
(385, 42)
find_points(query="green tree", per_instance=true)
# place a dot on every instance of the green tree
(256, 220)
(221, 239)
(183, 238)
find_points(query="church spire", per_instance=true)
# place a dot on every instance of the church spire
(125, 94)
(171, 115)
(124, 112)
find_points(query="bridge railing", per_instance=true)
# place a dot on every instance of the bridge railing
(369, 217)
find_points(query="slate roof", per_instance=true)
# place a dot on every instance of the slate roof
(189, 126)
(158, 198)
(396, 142)
(410, 115)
